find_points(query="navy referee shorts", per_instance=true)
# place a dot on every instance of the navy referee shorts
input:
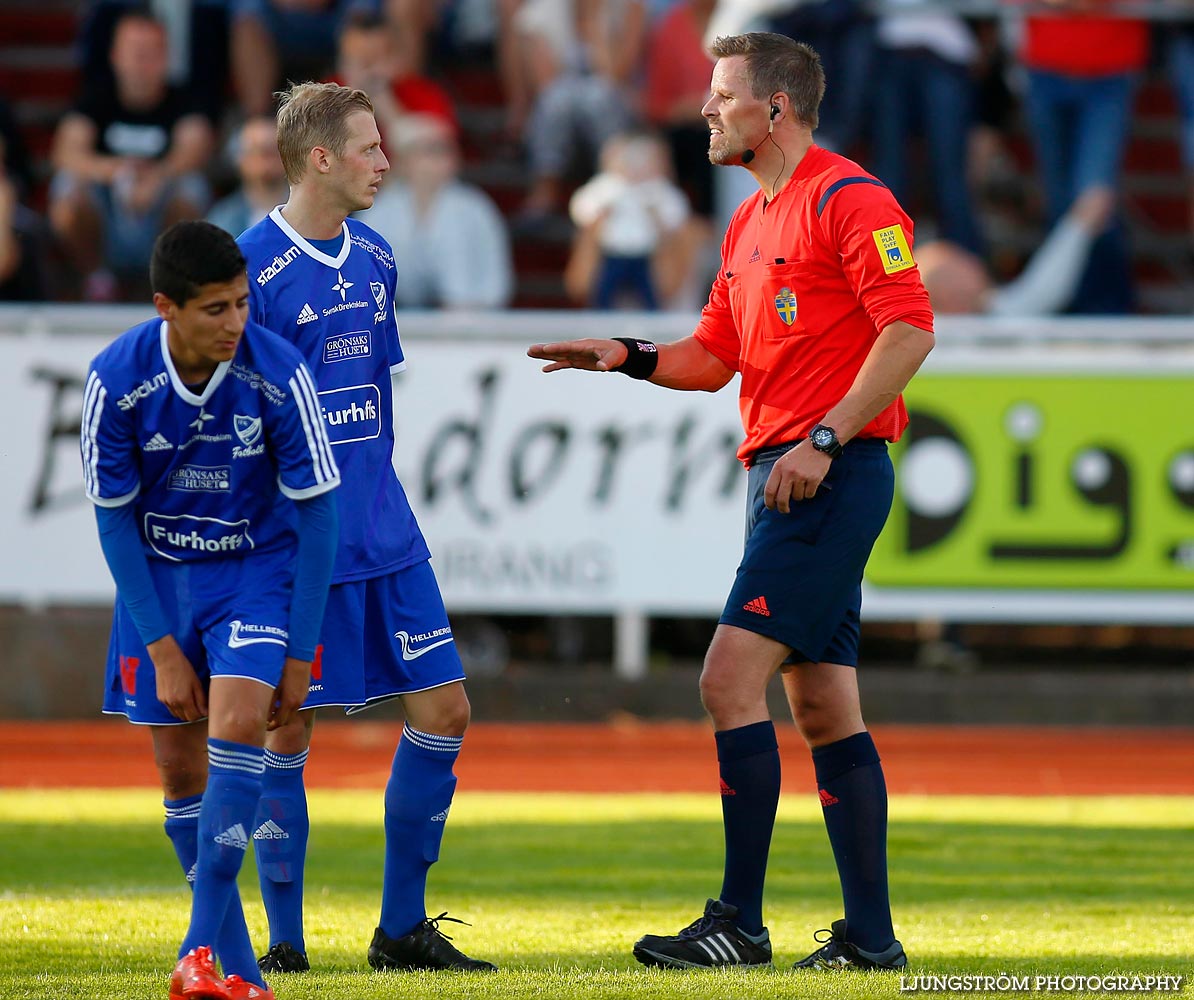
(800, 579)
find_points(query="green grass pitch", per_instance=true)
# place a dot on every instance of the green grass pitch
(557, 887)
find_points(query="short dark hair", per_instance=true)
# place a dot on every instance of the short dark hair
(189, 255)
(776, 63)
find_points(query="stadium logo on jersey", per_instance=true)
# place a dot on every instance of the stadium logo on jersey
(150, 385)
(352, 414)
(306, 315)
(201, 479)
(379, 296)
(893, 249)
(387, 259)
(414, 646)
(345, 346)
(172, 536)
(342, 286)
(157, 443)
(243, 634)
(277, 265)
(785, 305)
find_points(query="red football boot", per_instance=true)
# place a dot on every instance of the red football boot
(238, 989)
(195, 978)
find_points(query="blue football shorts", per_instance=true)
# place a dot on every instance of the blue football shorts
(229, 616)
(800, 579)
(383, 637)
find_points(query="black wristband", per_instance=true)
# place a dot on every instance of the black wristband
(642, 357)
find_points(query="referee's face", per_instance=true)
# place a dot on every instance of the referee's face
(207, 329)
(736, 119)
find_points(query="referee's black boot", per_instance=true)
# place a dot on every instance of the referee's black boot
(426, 947)
(709, 941)
(836, 953)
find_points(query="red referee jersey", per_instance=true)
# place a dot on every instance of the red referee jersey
(807, 283)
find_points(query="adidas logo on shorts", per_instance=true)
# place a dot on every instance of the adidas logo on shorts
(758, 606)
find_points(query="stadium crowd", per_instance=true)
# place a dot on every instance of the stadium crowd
(1005, 134)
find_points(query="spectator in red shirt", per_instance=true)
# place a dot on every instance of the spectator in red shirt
(1083, 69)
(368, 59)
(678, 68)
(819, 307)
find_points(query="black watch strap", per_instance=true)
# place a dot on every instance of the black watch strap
(824, 439)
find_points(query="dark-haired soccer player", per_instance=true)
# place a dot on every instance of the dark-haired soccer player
(326, 283)
(819, 306)
(206, 457)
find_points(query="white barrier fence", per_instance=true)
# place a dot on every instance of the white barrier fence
(581, 493)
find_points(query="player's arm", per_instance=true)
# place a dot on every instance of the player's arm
(307, 474)
(893, 359)
(686, 364)
(318, 535)
(178, 686)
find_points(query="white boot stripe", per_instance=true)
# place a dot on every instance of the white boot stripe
(711, 953)
(730, 947)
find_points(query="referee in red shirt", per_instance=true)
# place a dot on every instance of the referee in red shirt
(819, 306)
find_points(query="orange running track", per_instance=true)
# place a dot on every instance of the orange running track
(636, 756)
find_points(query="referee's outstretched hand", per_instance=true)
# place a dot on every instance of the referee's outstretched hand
(587, 355)
(796, 476)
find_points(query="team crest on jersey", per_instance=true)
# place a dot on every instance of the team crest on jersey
(893, 249)
(379, 296)
(248, 429)
(785, 305)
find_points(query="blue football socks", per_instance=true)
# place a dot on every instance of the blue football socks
(232, 946)
(854, 803)
(748, 759)
(280, 831)
(225, 828)
(418, 797)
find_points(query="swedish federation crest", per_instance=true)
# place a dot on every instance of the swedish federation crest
(785, 305)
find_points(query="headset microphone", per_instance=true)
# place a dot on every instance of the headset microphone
(749, 155)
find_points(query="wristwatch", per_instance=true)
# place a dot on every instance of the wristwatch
(825, 439)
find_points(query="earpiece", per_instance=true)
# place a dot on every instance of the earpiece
(774, 110)
(771, 124)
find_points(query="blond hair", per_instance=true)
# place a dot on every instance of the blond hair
(315, 114)
(777, 63)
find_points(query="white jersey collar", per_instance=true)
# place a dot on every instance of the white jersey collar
(313, 252)
(180, 387)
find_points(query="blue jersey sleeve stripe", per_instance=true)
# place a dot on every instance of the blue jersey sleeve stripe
(310, 491)
(93, 408)
(307, 400)
(836, 186)
(318, 426)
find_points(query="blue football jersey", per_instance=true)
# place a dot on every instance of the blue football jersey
(211, 472)
(339, 312)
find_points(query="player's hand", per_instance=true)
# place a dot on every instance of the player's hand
(796, 476)
(290, 693)
(587, 355)
(178, 686)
